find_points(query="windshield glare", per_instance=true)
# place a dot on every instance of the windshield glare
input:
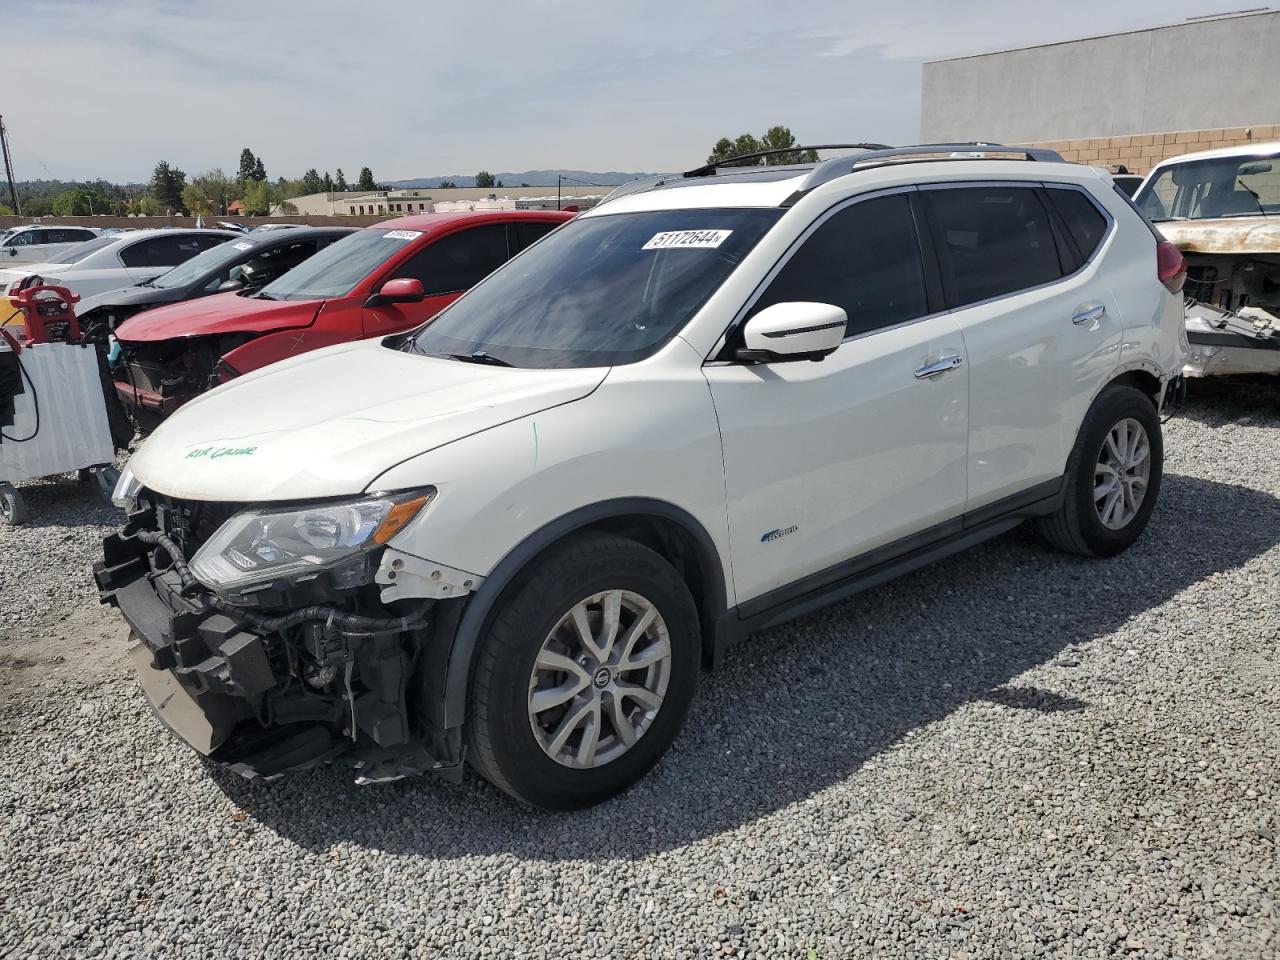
(599, 291)
(1216, 187)
(202, 264)
(335, 270)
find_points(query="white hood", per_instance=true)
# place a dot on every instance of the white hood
(329, 423)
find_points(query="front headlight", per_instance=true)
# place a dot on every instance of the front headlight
(262, 545)
(125, 494)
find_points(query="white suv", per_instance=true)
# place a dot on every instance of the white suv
(710, 404)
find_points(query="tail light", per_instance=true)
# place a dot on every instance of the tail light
(1170, 266)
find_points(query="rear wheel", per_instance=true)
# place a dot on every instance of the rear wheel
(1113, 476)
(585, 675)
(13, 509)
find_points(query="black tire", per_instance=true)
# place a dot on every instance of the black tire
(503, 746)
(13, 509)
(1076, 526)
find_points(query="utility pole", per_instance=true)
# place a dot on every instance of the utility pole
(8, 169)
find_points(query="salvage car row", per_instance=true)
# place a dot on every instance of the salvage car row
(505, 531)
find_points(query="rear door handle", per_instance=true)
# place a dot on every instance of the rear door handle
(949, 362)
(1090, 314)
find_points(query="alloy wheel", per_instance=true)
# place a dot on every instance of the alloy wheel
(1122, 474)
(599, 679)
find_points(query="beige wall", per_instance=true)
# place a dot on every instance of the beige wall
(1141, 151)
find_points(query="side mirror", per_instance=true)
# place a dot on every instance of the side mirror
(792, 331)
(226, 286)
(400, 290)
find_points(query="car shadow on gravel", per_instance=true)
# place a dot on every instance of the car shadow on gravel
(1246, 400)
(805, 705)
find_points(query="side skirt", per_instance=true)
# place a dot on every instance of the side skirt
(892, 560)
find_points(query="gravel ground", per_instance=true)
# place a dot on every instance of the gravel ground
(1013, 753)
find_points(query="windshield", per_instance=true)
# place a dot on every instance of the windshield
(202, 264)
(1215, 187)
(599, 291)
(335, 270)
(81, 250)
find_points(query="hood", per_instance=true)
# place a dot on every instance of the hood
(134, 296)
(1224, 235)
(329, 422)
(218, 314)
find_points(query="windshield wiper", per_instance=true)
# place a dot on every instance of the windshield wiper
(1256, 197)
(145, 283)
(263, 295)
(480, 357)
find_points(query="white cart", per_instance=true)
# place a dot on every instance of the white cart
(53, 419)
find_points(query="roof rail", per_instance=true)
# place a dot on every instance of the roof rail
(829, 170)
(708, 169)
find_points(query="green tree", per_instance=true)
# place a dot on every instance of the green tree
(209, 193)
(311, 182)
(499, 184)
(366, 180)
(81, 201)
(327, 183)
(340, 182)
(779, 138)
(149, 207)
(259, 171)
(5, 210)
(257, 198)
(775, 138)
(248, 164)
(167, 184)
(447, 185)
(484, 179)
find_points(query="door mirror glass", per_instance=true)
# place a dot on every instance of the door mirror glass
(399, 290)
(795, 330)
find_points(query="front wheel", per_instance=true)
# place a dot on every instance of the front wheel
(585, 674)
(1113, 476)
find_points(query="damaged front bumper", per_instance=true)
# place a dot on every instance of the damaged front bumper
(266, 703)
(1226, 343)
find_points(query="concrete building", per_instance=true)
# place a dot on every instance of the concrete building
(1129, 98)
(428, 199)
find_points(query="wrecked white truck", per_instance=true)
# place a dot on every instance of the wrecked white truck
(1222, 210)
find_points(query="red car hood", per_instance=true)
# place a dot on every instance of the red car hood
(221, 313)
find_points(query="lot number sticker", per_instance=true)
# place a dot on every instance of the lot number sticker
(243, 245)
(687, 239)
(402, 234)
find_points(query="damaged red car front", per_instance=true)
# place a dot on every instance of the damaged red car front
(378, 281)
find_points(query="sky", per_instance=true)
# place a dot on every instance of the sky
(412, 88)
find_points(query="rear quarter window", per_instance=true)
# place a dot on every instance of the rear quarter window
(1085, 223)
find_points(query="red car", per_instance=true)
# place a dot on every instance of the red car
(377, 281)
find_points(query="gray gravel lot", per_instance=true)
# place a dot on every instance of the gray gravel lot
(1013, 753)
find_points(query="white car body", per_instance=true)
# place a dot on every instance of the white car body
(723, 471)
(121, 260)
(650, 429)
(41, 242)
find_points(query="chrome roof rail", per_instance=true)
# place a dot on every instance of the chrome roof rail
(837, 167)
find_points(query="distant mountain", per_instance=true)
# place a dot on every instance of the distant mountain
(532, 178)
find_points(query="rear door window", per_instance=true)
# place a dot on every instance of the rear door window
(864, 259)
(991, 241)
(458, 261)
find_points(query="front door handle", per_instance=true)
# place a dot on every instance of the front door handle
(1090, 314)
(949, 362)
